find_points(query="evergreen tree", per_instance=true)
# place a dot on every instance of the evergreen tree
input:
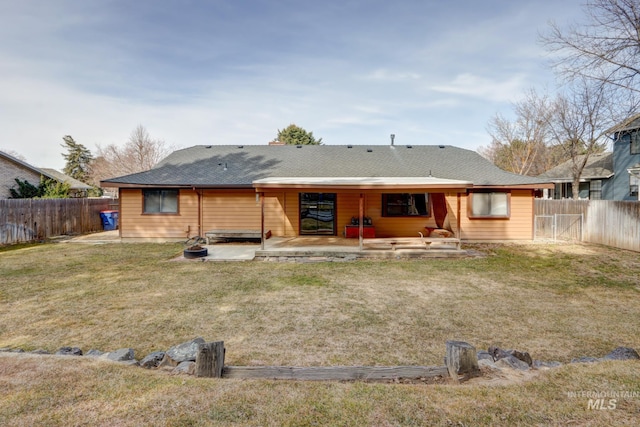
(25, 190)
(295, 135)
(47, 189)
(78, 159)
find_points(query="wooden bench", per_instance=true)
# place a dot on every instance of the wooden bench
(214, 235)
(410, 242)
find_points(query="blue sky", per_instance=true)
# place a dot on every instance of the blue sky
(234, 72)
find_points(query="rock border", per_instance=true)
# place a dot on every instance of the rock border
(181, 358)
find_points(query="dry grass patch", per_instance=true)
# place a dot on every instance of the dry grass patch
(60, 391)
(556, 301)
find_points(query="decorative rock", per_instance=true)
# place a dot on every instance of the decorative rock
(69, 351)
(499, 353)
(522, 355)
(94, 353)
(512, 362)
(167, 362)
(187, 367)
(186, 351)
(484, 355)
(537, 364)
(487, 363)
(121, 355)
(152, 360)
(585, 360)
(623, 353)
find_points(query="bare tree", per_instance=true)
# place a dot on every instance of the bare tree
(579, 125)
(140, 153)
(520, 145)
(604, 49)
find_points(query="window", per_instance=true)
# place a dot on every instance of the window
(160, 201)
(634, 181)
(635, 142)
(595, 189)
(405, 204)
(489, 205)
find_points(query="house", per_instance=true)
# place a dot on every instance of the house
(626, 159)
(609, 176)
(320, 190)
(596, 180)
(12, 168)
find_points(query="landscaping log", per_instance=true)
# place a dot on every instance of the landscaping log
(210, 359)
(334, 373)
(462, 359)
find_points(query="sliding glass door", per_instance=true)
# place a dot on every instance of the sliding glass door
(317, 214)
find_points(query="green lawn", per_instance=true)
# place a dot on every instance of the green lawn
(557, 302)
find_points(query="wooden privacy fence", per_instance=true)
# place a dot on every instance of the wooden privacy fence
(26, 220)
(606, 222)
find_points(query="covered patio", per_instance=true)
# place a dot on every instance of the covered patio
(407, 230)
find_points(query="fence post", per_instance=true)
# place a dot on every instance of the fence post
(210, 359)
(462, 359)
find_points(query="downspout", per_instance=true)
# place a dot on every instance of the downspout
(262, 221)
(361, 221)
(200, 213)
(120, 212)
(458, 222)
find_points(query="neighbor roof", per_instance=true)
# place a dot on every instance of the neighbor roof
(48, 173)
(241, 166)
(599, 166)
(74, 184)
(631, 123)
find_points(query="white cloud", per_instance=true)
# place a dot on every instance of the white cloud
(382, 74)
(467, 84)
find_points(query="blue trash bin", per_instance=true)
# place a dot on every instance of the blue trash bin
(109, 220)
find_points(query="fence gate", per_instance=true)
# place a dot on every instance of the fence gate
(559, 227)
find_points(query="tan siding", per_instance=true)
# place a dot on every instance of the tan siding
(292, 213)
(239, 209)
(518, 227)
(348, 207)
(230, 210)
(274, 218)
(134, 224)
(394, 226)
(452, 200)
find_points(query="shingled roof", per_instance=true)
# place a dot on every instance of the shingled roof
(239, 166)
(598, 166)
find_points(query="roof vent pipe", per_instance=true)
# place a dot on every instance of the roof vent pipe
(393, 136)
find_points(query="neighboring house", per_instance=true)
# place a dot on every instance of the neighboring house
(626, 159)
(12, 168)
(596, 180)
(611, 176)
(318, 190)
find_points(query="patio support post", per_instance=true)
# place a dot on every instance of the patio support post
(361, 220)
(262, 221)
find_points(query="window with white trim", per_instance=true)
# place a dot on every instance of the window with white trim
(634, 182)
